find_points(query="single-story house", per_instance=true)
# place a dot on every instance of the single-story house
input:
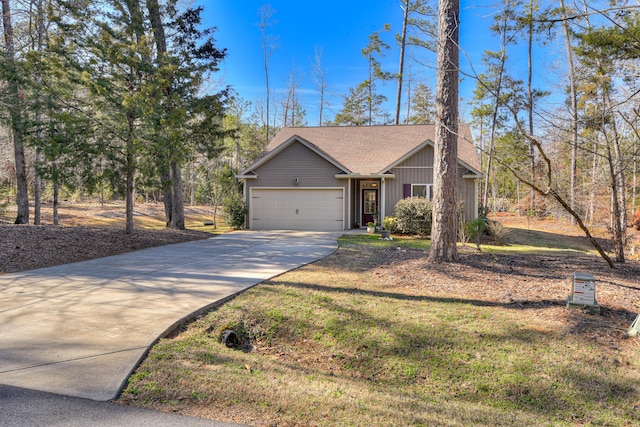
(337, 178)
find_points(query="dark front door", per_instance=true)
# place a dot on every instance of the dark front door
(369, 206)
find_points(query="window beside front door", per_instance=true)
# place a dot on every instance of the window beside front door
(421, 190)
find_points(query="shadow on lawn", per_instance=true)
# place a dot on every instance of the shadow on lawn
(456, 358)
(516, 305)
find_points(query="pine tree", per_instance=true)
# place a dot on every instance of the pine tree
(375, 47)
(422, 106)
(445, 224)
(359, 107)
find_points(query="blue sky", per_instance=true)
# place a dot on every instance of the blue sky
(341, 30)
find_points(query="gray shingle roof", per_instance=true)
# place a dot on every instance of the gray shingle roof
(372, 149)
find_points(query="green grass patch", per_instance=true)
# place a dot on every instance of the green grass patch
(331, 345)
(534, 250)
(374, 241)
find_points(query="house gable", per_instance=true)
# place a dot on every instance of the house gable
(275, 152)
(296, 160)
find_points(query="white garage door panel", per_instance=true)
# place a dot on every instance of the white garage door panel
(297, 209)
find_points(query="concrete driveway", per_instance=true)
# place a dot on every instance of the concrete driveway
(80, 329)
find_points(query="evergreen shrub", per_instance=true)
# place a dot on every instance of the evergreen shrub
(414, 215)
(235, 210)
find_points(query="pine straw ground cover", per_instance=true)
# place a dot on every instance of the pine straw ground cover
(94, 230)
(374, 335)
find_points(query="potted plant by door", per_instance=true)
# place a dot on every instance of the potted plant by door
(371, 227)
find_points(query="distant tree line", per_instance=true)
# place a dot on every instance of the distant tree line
(116, 96)
(109, 93)
(570, 147)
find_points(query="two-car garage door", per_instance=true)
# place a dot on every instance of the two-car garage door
(297, 209)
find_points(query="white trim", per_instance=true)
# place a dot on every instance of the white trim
(294, 188)
(348, 201)
(413, 167)
(370, 176)
(475, 200)
(472, 176)
(428, 190)
(382, 201)
(246, 200)
(361, 201)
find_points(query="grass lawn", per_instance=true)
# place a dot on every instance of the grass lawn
(333, 343)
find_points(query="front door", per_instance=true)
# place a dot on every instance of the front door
(369, 206)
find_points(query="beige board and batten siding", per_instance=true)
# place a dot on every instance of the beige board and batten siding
(418, 169)
(316, 191)
(467, 193)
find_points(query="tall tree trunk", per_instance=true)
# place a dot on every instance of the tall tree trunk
(502, 29)
(156, 25)
(403, 44)
(129, 172)
(492, 138)
(137, 23)
(408, 97)
(635, 174)
(17, 130)
(37, 190)
(616, 167)
(56, 200)
(618, 228)
(178, 197)
(444, 228)
(370, 91)
(619, 185)
(532, 152)
(171, 177)
(167, 190)
(37, 194)
(191, 173)
(320, 81)
(265, 16)
(574, 108)
(594, 185)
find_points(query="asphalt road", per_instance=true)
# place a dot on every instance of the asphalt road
(20, 407)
